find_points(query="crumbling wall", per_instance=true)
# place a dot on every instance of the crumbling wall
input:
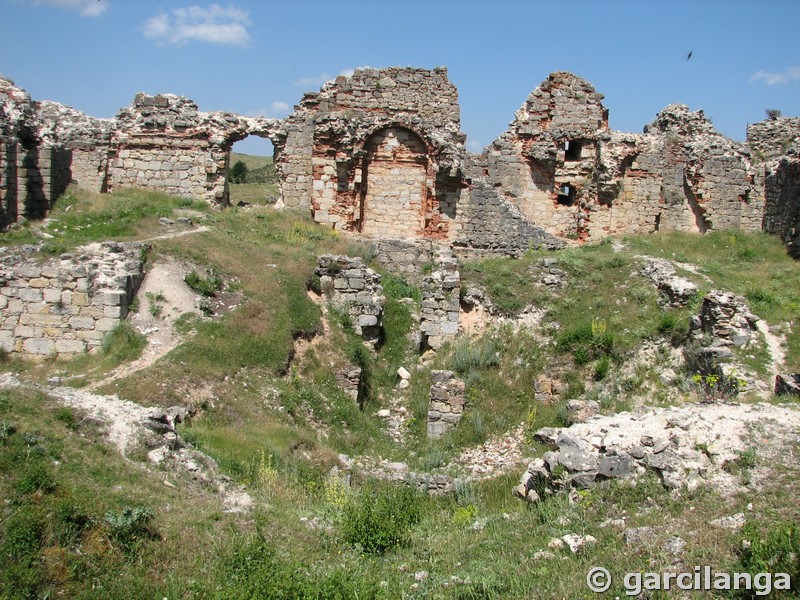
(440, 302)
(782, 209)
(571, 176)
(387, 148)
(66, 306)
(447, 400)
(83, 140)
(773, 137)
(380, 153)
(166, 144)
(348, 284)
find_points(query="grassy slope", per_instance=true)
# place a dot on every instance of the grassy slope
(252, 161)
(252, 193)
(261, 422)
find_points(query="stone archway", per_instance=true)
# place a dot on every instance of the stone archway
(394, 190)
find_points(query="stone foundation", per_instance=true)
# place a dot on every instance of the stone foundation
(66, 306)
(347, 283)
(447, 399)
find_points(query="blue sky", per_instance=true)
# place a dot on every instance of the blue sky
(258, 57)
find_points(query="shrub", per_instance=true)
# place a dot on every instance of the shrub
(601, 368)
(380, 517)
(205, 286)
(776, 550)
(123, 343)
(130, 526)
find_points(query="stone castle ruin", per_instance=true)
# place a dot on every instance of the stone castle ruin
(381, 154)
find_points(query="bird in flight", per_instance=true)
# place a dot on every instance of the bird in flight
(689, 56)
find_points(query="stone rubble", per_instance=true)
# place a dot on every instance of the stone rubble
(687, 446)
(129, 425)
(674, 290)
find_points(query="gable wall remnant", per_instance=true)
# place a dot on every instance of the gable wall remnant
(381, 154)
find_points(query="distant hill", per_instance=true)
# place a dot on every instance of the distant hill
(253, 162)
(260, 169)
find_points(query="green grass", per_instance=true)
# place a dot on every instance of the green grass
(80, 521)
(79, 217)
(753, 265)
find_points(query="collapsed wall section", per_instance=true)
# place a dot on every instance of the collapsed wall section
(568, 174)
(165, 143)
(66, 306)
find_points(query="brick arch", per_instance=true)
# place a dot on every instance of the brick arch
(394, 192)
(360, 146)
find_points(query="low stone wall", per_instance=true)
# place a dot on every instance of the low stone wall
(65, 306)
(447, 401)
(406, 257)
(348, 283)
(440, 302)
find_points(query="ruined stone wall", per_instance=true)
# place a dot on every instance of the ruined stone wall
(66, 306)
(773, 137)
(348, 284)
(440, 306)
(571, 176)
(380, 153)
(165, 143)
(386, 144)
(491, 223)
(782, 210)
(406, 258)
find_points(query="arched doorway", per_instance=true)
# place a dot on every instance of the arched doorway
(251, 177)
(394, 184)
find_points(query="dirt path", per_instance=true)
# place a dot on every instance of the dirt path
(163, 298)
(775, 347)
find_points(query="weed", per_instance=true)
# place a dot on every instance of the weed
(205, 286)
(602, 368)
(464, 515)
(380, 517)
(123, 343)
(66, 416)
(716, 387)
(468, 356)
(774, 550)
(130, 526)
(38, 477)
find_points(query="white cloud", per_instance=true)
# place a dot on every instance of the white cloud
(276, 110)
(771, 78)
(215, 25)
(87, 8)
(474, 146)
(313, 81)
